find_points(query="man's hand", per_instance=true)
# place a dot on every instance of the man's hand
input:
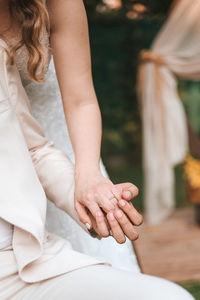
(123, 219)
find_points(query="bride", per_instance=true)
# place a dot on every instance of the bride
(98, 202)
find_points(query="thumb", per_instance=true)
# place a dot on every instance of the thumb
(130, 193)
(129, 190)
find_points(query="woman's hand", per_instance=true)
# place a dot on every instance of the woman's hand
(94, 193)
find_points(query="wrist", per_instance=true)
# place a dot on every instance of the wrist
(86, 170)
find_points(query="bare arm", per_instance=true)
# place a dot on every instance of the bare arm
(70, 43)
(71, 51)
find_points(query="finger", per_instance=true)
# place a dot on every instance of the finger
(100, 219)
(102, 224)
(126, 225)
(104, 202)
(129, 190)
(128, 208)
(117, 232)
(114, 201)
(94, 223)
(107, 223)
(112, 197)
(117, 192)
(83, 215)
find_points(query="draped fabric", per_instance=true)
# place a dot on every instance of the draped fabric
(39, 254)
(16, 186)
(174, 53)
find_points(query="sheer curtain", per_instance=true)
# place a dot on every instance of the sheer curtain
(174, 53)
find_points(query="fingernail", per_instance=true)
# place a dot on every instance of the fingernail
(112, 216)
(110, 232)
(99, 214)
(88, 226)
(128, 194)
(122, 202)
(119, 213)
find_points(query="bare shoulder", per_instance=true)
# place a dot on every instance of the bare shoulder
(63, 10)
(66, 14)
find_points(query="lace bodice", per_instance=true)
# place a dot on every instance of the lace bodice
(21, 58)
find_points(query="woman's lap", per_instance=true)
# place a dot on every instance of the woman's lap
(100, 282)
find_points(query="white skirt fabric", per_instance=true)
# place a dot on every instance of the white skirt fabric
(88, 283)
(6, 233)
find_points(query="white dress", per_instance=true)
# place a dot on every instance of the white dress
(47, 108)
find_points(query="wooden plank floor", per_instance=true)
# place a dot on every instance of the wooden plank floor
(172, 249)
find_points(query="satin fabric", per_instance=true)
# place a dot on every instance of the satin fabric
(39, 254)
(90, 283)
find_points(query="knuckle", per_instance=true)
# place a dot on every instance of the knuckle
(109, 206)
(114, 201)
(96, 195)
(88, 197)
(124, 221)
(114, 224)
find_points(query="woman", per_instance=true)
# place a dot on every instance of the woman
(26, 263)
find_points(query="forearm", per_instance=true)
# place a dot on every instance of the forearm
(71, 52)
(84, 124)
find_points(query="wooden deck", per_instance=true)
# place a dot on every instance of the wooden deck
(172, 249)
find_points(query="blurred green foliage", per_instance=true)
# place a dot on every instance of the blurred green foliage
(193, 288)
(190, 95)
(115, 48)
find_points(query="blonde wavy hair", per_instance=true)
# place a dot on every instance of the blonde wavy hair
(33, 20)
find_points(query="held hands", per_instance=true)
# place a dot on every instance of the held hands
(106, 207)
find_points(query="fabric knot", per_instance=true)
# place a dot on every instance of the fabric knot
(150, 56)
